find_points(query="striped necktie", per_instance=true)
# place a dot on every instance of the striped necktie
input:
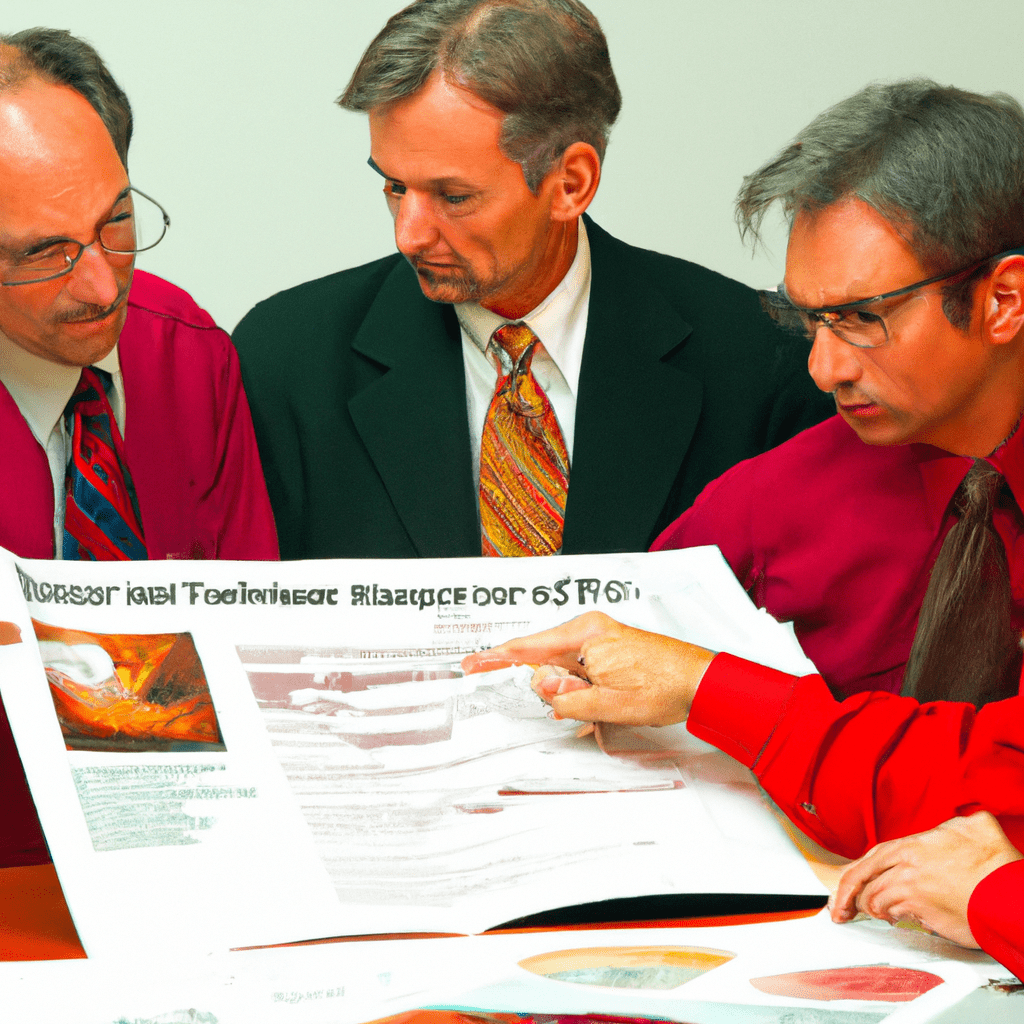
(524, 465)
(101, 514)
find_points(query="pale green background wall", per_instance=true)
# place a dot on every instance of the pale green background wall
(266, 179)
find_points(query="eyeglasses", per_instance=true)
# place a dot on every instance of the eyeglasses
(135, 225)
(854, 322)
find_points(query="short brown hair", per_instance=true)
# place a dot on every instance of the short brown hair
(543, 63)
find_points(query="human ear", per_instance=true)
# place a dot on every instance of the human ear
(1002, 301)
(574, 181)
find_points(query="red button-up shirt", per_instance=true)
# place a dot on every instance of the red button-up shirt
(840, 537)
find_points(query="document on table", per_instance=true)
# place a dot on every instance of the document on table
(287, 751)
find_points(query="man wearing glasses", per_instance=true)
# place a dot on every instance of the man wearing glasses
(891, 536)
(126, 433)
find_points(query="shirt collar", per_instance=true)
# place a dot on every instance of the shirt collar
(942, 472)
(42, 389)
(548, 320)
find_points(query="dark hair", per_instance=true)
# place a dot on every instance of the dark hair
(58, 57)
(543, 63)
(945, 167)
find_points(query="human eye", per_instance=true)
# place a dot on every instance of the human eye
(49, 254)
(394, 188)
(863, 316)
(455, 199)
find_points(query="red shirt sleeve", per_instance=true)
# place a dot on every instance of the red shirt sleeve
(996, 916)
(874, 767)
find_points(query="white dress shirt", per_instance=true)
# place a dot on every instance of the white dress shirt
(41, 390)
(560, 324)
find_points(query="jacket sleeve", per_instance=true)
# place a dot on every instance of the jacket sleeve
(237, 506)
(996, 916)
(873, 767)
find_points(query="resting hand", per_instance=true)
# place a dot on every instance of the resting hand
(927, 878)
(608, 672)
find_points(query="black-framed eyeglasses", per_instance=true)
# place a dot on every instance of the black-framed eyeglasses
(854, 322)
(134, 225)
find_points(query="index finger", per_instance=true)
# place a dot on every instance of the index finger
(557, 646)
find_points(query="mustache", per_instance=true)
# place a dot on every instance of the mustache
(847, 396)
(85, 313)
(426, 264)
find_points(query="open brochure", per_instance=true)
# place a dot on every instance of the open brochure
(807, 971)
(237, 754)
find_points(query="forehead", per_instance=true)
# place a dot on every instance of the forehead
(844, 252)
(440, 132)
(59, 169)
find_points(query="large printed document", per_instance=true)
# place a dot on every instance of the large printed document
(238, 754)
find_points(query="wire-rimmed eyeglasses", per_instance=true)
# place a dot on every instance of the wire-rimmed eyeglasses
(132, 227)
(854, 322)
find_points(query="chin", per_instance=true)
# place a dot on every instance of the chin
(879, 434)
(453, 287)
(84, 350)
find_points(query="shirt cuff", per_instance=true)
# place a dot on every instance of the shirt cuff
(996, 917)
(738, 704)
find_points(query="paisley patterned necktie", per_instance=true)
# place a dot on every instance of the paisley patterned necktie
(524, 465)
(101, 515)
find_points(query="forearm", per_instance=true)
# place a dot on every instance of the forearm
(873, 767)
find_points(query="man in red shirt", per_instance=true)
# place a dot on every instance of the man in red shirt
(904, 268)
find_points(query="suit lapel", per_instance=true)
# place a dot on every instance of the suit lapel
(413, 420)
(635, 413)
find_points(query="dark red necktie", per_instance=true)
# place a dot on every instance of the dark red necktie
(101, 514)
(965, 647)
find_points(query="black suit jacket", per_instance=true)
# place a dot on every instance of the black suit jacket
(358, 395)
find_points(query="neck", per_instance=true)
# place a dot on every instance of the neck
(979, 440)
(547, 272)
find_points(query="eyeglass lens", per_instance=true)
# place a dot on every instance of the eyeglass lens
(855, 326)
(136, 223)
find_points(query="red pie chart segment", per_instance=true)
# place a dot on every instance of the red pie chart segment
(879, 982)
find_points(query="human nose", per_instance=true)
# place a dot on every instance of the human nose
(832, 362)
(415, 226)
(91, 280)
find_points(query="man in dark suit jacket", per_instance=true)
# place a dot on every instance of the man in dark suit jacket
(360, 382)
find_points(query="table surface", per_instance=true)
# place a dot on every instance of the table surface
(36, 925)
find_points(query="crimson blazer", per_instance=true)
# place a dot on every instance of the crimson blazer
(189, 441)
(359, 400)
(190, 447)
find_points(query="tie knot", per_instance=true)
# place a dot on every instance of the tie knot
(979, 488)
(92, 385)
(515, 339)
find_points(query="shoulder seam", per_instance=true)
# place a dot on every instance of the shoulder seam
(177, 319)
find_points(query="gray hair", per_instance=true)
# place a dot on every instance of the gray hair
(59, 58)
(945, 167)
(543, 63)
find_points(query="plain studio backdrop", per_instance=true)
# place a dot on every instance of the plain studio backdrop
(266, 182)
